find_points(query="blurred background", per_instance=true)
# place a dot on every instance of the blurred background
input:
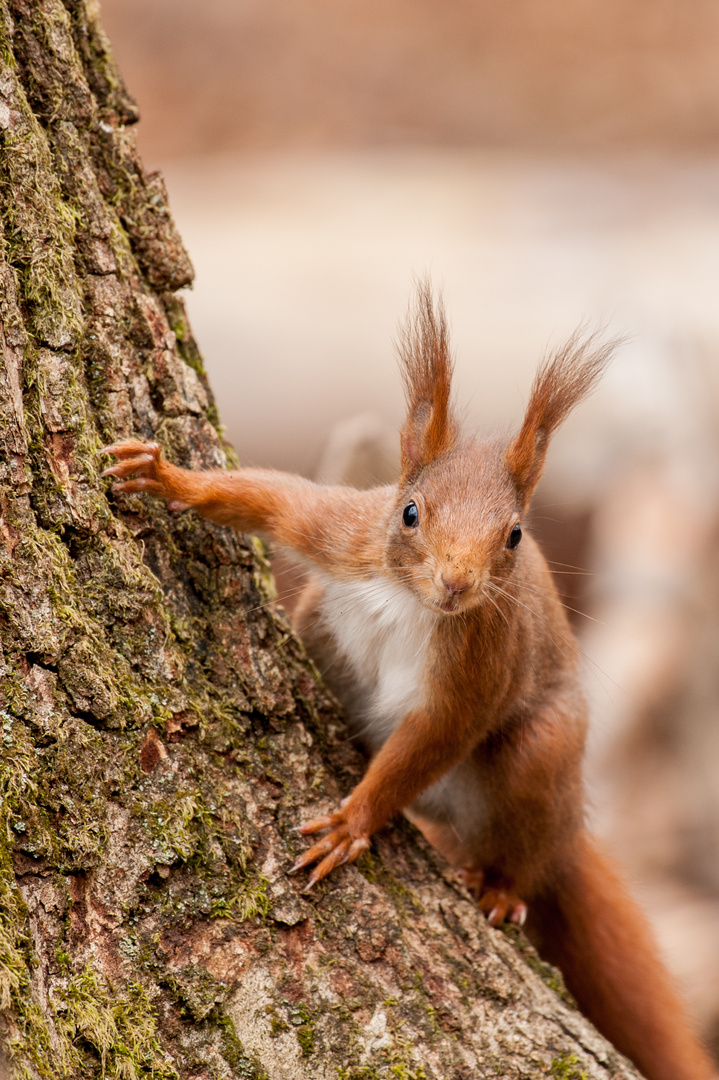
(548, 162)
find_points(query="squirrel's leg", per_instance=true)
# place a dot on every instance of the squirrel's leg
(411, 759)
(495, 895)
(530, 781)
(333, 526)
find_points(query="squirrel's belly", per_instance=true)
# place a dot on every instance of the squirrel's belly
(381, 634)
(458, 801)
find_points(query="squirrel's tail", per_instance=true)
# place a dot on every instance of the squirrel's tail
(594, 932)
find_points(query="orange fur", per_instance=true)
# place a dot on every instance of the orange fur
(426, 366)
(588, 923)
(447, 642)
(559, 385)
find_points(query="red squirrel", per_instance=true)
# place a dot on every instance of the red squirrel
(437, 623)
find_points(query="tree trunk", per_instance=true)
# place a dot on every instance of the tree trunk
(162, 730)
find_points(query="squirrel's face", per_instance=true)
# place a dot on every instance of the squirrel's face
(456, 530)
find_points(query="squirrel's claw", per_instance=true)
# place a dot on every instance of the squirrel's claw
(500, 905)
(132, 447)
(132, 456)
(336, 857)
(518, 915)
(318, 824)
(129, 465)
(141, 483)
(317, 851)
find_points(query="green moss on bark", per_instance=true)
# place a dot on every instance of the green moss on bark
(110, 1031)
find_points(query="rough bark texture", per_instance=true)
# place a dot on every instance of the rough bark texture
(162, 730)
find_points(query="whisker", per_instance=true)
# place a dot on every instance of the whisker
(570, 566)
(553, 630)
(574, 573)
(498, 609)
(540, 592)
(564, 641)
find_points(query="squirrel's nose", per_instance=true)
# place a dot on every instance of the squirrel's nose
(455, 584)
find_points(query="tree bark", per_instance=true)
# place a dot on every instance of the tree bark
(162, 729)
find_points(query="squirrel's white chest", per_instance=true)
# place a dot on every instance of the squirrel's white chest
(381, 634)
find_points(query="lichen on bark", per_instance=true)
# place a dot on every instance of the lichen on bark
(162, 729)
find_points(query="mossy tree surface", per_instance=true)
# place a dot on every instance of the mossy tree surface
(162, 731)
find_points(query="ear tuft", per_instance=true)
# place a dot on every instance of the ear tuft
(562, 381)
(426, 364)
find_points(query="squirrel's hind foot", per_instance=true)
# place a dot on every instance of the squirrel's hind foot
(499, 903)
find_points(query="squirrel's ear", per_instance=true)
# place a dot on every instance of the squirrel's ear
(561, 382)
(430, 427)
(525, 459)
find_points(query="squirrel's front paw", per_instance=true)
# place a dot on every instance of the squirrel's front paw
(342, 845)
(145, 460)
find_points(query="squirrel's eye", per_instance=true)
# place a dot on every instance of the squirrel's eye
(514, 537)
(410, 516)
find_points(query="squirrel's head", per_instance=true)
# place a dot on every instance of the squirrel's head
(457, 523)
(456, 527)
